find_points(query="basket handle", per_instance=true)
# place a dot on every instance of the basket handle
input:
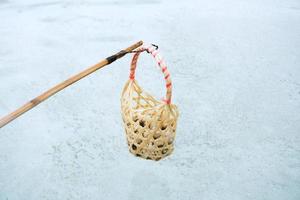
(154, 52)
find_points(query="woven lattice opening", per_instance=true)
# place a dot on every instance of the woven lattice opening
(150, 125)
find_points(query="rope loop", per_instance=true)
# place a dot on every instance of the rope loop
(153, 50)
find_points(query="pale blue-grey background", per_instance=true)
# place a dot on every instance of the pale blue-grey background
(235, 65)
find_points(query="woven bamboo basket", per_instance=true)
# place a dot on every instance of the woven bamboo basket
(150, 124)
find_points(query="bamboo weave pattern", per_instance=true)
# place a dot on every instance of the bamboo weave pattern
(150, 124)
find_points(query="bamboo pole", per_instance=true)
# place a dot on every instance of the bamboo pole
(34, 102)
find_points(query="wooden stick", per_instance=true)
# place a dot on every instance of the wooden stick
(8, 118)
